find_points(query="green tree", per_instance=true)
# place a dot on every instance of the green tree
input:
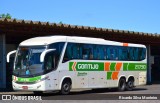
(8, 16)
(60, 22)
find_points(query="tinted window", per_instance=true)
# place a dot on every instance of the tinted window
(59, 47)
(49, 63)
(103, 52)
(52, 59)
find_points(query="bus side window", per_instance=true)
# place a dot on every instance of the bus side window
(139, 53)
(68, 53)
(108, 54)
(85, 52)
(136, 53)
(116, 53)
(94, 52)
(101, 53)
(111, 54)
(49, 62)
(128, 56)
(120, 53)
(130, 53)
(90, 50)
(98, 52)
(104, 52)
(124, 55)
(74, 51)
(143, 53)
(79, 51)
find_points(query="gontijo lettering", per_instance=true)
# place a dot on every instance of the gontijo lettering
(88, 66)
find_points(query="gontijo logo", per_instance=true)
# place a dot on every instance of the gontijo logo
(86, 66)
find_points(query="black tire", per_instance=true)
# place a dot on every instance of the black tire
(130, 85)
(38, 92)
(66, 87)
(122, 84)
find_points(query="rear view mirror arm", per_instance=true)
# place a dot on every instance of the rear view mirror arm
(44, 53)
(10, 53)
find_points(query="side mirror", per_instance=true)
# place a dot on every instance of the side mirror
(44, 53)
(10, 53)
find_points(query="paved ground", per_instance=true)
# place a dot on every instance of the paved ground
(99, 95)
(147, 89)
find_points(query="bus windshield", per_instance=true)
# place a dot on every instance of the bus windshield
(27, 61)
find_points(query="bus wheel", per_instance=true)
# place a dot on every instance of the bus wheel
(122, 84)
(66, 87)
(38, 92)
(130, 85)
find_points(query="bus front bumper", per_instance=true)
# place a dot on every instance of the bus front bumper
(40, 86)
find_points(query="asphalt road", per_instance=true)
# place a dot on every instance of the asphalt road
(98, 94)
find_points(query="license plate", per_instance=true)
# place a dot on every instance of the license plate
(25, 87)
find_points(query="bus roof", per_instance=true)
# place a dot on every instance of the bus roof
(45, 40)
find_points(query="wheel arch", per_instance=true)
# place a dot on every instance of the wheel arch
(64, 78)
(130, 77)
(122, 76)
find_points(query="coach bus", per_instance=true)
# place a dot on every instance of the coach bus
(62, 63)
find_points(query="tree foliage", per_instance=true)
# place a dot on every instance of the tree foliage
(60, 22)
(7, 16)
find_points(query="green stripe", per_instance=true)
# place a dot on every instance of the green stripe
(109, 75)
(125, 66)
(33, 79)
(99, 66)
(135, 67)
(112, 66)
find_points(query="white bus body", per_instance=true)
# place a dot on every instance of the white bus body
(69, 62)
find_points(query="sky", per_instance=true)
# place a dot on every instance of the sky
(132, 15)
